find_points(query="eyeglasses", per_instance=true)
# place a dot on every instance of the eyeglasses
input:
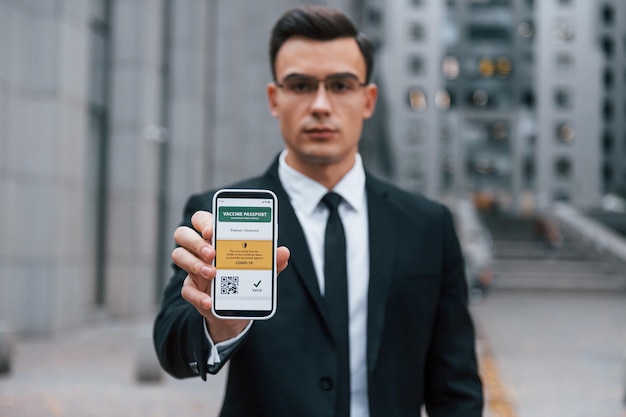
(306, 85)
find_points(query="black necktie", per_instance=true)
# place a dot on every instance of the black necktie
(336, 295)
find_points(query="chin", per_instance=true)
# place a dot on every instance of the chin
(321, 154)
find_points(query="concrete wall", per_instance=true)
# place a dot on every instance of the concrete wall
(413, 135)
(45, 247)
(582, 78)
(187, 111)
(134, 158)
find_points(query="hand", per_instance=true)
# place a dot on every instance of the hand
(195, 255)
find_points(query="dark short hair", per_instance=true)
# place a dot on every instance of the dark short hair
(322, 24)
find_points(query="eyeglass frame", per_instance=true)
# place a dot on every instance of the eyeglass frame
(336, 76)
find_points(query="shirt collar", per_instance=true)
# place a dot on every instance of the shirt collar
(306, 193)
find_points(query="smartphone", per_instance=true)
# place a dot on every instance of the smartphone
(245, 233)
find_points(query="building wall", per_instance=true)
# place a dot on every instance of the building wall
(568, 139)
(410, 66)
(100, 146)
(45, 241)
(136, 99)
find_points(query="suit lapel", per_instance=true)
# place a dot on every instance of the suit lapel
(382, 240)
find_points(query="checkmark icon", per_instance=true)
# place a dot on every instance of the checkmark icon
(257, 284)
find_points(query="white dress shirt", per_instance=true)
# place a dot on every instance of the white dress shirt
(305, 196)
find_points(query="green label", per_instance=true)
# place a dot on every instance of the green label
(245, 214)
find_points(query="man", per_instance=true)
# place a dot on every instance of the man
(410, 340)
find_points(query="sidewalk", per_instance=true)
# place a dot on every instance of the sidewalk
(542, 355)
(557, 354)
(91, 373)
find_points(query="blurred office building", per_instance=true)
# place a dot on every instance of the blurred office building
(112, 112)
(516, 103)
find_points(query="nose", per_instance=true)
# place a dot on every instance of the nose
(321, 100)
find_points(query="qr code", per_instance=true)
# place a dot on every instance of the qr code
(229, 285)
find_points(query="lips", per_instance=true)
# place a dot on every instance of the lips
(320, 129)
(320, 132)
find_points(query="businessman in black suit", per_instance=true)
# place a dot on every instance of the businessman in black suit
(402, 336)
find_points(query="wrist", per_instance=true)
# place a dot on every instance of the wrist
(221, 330)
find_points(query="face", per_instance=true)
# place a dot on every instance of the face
(321, 128)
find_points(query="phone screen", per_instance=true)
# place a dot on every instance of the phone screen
(244, 238)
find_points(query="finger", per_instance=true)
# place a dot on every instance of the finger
(193, 265)
(189, 239)
(202, 221)
(282, 258)
(194, 296)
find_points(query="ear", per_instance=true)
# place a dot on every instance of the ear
(272, 99)
(371, 95)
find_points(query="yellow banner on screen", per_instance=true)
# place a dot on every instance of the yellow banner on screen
(243, 254)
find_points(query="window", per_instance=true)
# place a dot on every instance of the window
(416, 64)
(608, 110)
(489, 33)
(443, 100)
(416, 31)
(486, 67)
(479, 98)
(500, 66)
(481, 5)
(607, 142)
(528, 168)
(565, 132)
(528, 98)
(451, 67)
(417, 99)
(563, 98)
(561, 195)
(563, 32)
(607, 173)
(415, 132)
(607, 78)
(564, 63)
(504, 67)
(563, 167)
(500, 131)
(608, 47)
(608, 14)
(414, 167)
(374, 17)
(526, 30)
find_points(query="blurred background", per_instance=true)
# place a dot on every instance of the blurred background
(112, 112)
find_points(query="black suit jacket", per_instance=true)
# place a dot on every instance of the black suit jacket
(420, 338)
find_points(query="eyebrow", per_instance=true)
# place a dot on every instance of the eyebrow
(333, 75)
